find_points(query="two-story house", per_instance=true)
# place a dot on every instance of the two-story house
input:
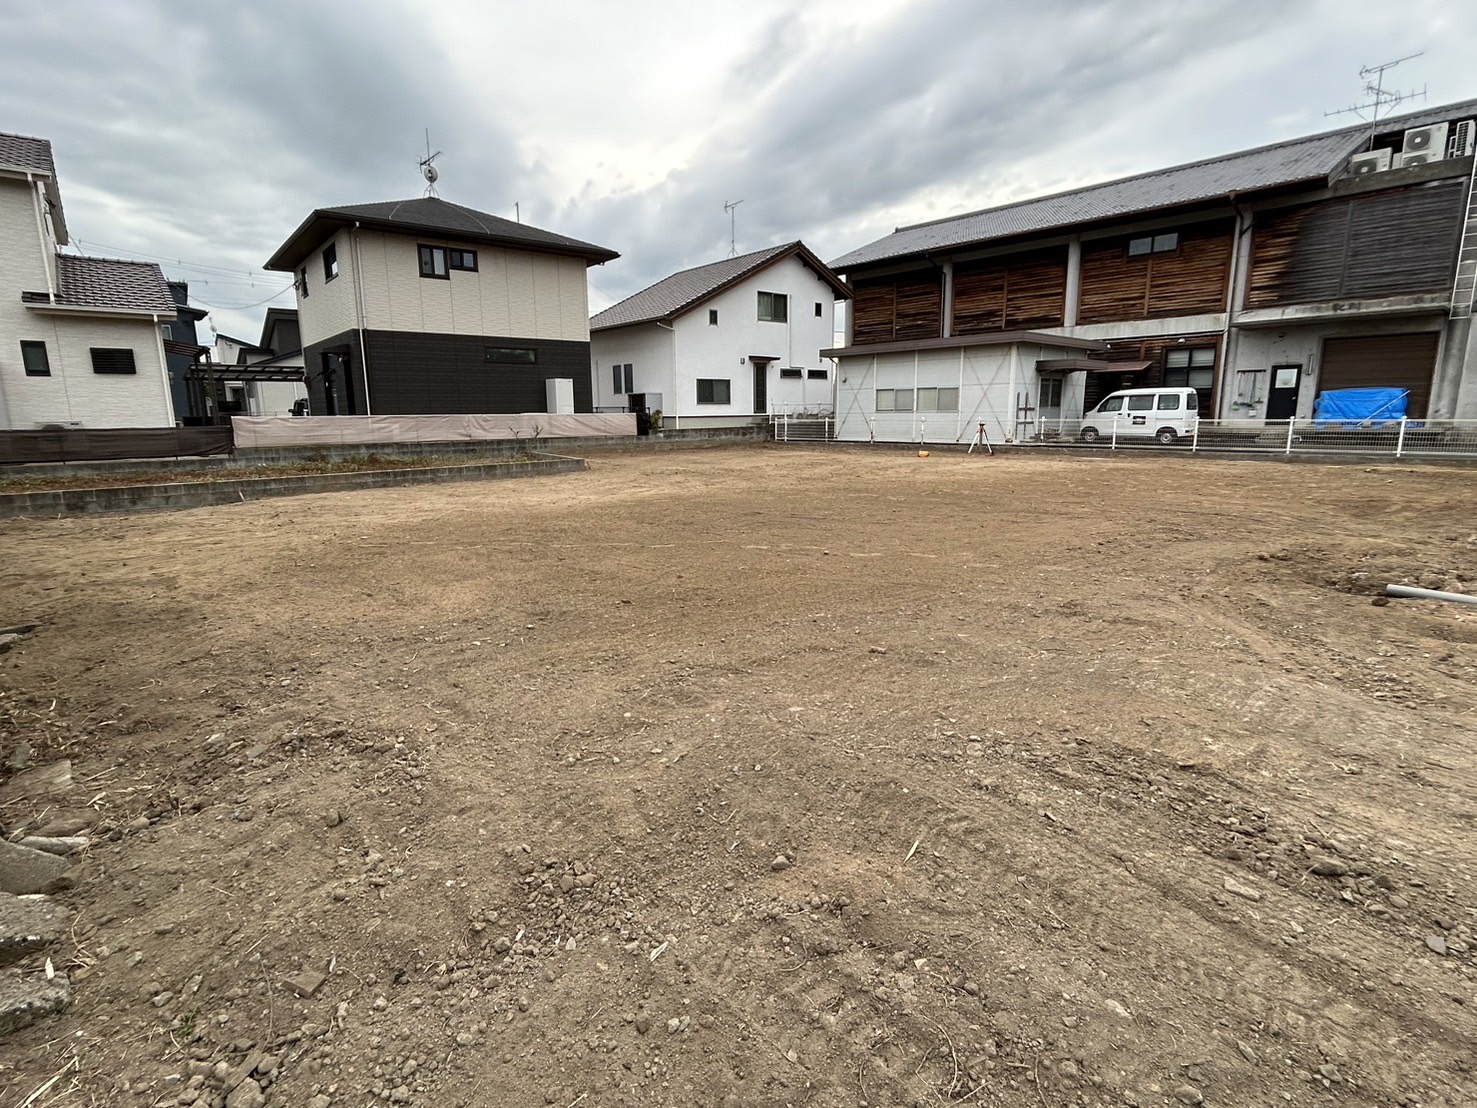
(419, 307)
(1259, 278)
(740, 337)
(265, 378)
(80, 338)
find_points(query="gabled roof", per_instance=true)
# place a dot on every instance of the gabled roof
(109, 285)
(432, 217)
(1314, 159)
(681, 292)
(25, 152)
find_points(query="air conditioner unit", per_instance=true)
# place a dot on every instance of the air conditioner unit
(1372, 161)
(1418, 157)
(1430, 139)
(58, 424)
(1462, 140)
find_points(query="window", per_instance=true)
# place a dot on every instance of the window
(712, 392)
(1154, 244)
(1112, 404)
(33, 357)
(463, 259)
(330, 263)
(1190, 367)
(168, 329)
(1141, 403)
(511, 355)
(621, 379)
(105, 360)
(818, 374)
(774, 307)
(791, 372)
(712, 317)
(894, 400)
(1051, 392)
(433, 262)
(1168, 402)
(302, 282)
(938, 400)
(817, 309)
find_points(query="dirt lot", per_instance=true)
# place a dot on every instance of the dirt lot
(766, 776)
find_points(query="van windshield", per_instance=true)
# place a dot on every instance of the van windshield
(1112, 404)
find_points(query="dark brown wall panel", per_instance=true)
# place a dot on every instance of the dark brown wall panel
(1393, 243)
(1382, 361)
(1011, 294)
(905, 307)
(1189, 281)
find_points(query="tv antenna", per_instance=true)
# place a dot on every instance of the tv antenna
(428, 170)
(729, 206)
(1381, 100)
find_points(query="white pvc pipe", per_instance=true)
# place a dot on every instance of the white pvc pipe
(1407, 593)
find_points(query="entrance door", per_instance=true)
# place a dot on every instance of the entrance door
(761, 387)
(1282, 401)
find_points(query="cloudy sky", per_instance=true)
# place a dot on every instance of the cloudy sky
(200, 135)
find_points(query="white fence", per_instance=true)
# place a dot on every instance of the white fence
(1405, 438)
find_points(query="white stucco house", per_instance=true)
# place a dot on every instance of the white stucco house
(736, 338)
(81, 342)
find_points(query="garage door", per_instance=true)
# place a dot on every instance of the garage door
(1384, 361)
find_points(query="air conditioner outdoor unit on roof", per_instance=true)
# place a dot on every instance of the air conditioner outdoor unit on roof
(1418, 157)
(1371, 161)
(1430, 139)
(1462, 139)
(58, 424)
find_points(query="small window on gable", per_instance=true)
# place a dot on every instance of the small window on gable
(107, 360)
(712, 317)
(33, 357)
(330, 263)
(433, 262)
(774, 307)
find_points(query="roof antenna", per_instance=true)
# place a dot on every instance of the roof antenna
(1380, 101)
(729, 206)
(428, 171)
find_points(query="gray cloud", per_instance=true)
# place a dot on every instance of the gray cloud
(207, 133)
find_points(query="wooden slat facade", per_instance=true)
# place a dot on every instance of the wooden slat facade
(904, 307)
(1189, 281)
(1399, 242)
(1019, 293)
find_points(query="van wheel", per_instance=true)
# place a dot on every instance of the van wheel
(1166, 436)
(1089, 434)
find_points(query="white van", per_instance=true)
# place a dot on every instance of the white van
(1162, 414)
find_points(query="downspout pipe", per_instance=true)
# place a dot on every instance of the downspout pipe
(48, 262)
(359, 316)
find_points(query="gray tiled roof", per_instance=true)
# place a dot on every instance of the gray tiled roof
(1313, 158)
(671, 295)
(434, 217)
(25, 152)
(108, 284)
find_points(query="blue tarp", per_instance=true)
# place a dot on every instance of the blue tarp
(1360, 406)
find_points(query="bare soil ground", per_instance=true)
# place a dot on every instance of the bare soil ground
(765, 776)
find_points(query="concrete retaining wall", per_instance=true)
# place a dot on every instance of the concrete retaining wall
(199, 494)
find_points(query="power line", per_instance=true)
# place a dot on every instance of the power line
(93, 244)
(241, 307)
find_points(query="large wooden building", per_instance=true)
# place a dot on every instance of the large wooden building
(1260, 279)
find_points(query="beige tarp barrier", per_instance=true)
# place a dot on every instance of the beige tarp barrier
(266, 431)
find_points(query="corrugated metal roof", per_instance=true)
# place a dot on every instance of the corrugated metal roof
(432, 216)
(109, 285)
(673, 294)
(25, 152)
(1313, 158)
